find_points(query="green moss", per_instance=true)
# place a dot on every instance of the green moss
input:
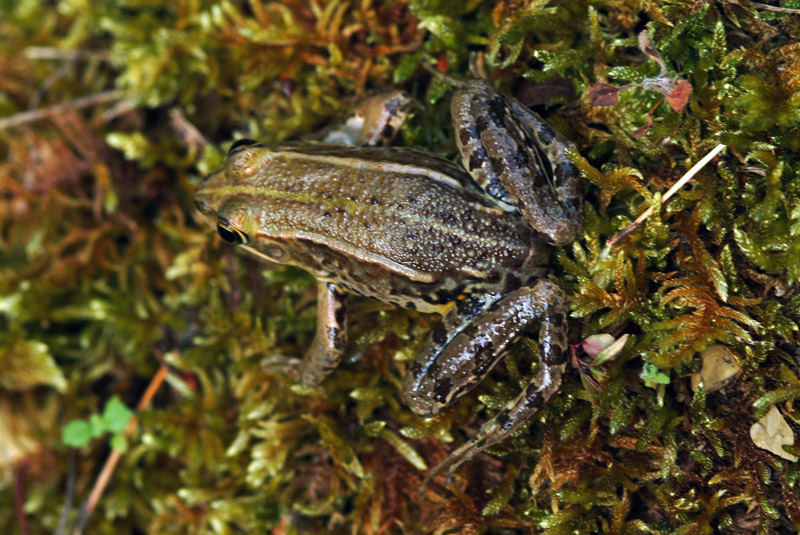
(107, 272)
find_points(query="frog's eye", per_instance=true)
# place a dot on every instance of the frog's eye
(230, 233)
(242, 144)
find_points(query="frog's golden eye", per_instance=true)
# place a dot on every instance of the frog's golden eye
(242, 144)
(230, 233)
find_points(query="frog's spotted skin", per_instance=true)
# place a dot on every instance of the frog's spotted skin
(395, 219)
(408, 228)
(518, 158)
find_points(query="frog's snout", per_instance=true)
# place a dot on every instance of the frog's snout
(204, 195)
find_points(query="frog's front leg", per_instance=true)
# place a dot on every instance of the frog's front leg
(330, 340)
(442, 373)
(375, 121)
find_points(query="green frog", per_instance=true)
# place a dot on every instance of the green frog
(471, 243)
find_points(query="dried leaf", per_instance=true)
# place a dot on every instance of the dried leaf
(646, 46)
(601, 94)
(772, 432)
(596, 343)
(612, 350)
(679, 96)
(719, 368)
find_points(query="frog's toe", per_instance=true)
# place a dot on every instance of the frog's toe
(431, 475)
(451, 463)
(290, 366)
(420, 404)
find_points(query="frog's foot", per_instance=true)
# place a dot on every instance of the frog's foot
(475, 334)
(502, 425)
(373, 122)
(290, 366)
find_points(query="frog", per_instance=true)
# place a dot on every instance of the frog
(471, 243)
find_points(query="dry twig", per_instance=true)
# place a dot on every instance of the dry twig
(675, 187)
(113, 459)
(43, 113)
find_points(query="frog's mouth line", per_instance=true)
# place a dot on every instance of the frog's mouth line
(255, 252)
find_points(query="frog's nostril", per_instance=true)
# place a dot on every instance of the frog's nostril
(203, 207)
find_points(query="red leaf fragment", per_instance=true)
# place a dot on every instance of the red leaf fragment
(601, 94)
(679, 96)
(443, 64)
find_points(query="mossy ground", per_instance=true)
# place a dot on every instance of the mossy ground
(106, 270)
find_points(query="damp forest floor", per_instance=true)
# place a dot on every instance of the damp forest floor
(110, 114)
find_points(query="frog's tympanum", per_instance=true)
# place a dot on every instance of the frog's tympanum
(409, 228)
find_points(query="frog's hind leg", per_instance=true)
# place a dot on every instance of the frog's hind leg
(519, 159)
(564, 177)
(374, 121)
(444, 369)
(509, 318)
(330, 340)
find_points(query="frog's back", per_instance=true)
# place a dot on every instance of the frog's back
(394, 224)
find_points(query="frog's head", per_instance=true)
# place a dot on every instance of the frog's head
(238, 222)
(219, 191)
(231, 202)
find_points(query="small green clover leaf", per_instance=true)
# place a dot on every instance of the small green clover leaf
(77, 433)
(115, 418)
(652, 375)
(116, 415)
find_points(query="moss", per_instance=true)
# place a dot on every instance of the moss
(107, 272)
